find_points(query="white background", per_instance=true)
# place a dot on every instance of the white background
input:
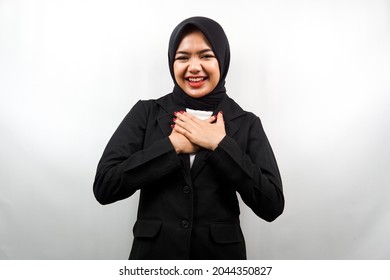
(316, 72)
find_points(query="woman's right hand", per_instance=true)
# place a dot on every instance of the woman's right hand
(181, 144)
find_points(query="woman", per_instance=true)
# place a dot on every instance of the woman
(189, 153)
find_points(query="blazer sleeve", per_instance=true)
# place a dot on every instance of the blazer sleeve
(253, 173)
(126, 165)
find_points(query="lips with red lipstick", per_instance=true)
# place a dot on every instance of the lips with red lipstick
(196, 81)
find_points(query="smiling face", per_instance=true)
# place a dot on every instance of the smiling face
(196, 68)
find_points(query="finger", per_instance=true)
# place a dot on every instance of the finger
(183, 124)
(183, 132)
(179, 129)
(220, 120)
(211, 119)
(183, 115)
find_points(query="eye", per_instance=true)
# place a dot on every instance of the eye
(208, 56)
(181, 58)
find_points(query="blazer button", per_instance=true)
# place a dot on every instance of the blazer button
(185, 224)
(186, 189)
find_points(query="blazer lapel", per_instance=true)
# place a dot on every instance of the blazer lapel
(199, 162)
(168, 107)
(165, 122)
(230, 127)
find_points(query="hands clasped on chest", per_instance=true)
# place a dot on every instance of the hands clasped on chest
(190, 133)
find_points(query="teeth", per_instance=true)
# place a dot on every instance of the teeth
(195, 79)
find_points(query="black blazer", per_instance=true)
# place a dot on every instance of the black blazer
(188, 213)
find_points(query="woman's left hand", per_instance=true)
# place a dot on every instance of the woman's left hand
(204, 133)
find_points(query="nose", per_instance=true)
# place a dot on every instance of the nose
(194, 66)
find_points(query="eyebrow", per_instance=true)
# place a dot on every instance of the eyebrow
(199, 52)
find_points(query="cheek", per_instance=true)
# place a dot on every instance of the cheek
(215, 72)
(178, 71)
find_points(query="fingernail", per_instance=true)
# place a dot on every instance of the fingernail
(175, 113)
(221, 112)
(173, 126)
(174, 119)
(181, 112)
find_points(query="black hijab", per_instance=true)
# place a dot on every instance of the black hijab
(220, 46)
